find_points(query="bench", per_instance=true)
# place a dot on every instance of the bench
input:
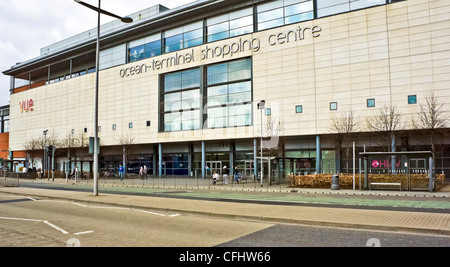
(393, 184)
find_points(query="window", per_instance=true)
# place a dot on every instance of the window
(114, 127)
(85, 130)
(412, 99)
(268, 112)
(371, 103)
(224, 100)
(333, 106)
(182, 101)
(229, 94)
(148, 123)
(299, 109)
(284, 12)
(230, 25)
(144, 48)
(130, 125)
(111, 57)
(328, 8)
(183, 37)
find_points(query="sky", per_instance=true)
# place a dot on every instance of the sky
(28, 25)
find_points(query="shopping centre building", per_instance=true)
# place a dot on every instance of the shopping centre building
(180, 89)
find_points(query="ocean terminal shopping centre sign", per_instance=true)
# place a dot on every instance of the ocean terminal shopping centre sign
(223, 51)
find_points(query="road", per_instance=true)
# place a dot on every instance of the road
(28, 222)
(25, 222)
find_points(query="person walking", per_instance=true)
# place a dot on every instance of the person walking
(225, 175)
(145, 172)
(121, 172)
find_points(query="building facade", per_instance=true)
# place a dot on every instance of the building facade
(179, 89)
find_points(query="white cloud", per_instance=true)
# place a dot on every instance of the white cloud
(27, 26)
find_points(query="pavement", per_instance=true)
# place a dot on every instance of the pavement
(413, 212)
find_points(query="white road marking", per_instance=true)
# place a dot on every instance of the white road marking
(78, 204)
(20, 219)
(56, 227)
(149, 212)
(83, 233)
(34, 220)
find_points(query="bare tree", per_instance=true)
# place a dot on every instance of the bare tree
(386, 124)
(34, 147)
(344, 124)
(431, 117)
(126, 142)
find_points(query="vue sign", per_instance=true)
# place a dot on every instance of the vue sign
(26, 106)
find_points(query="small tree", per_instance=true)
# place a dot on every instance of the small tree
(431, 117)
(344, 124)
(34, 147)
(386, 124)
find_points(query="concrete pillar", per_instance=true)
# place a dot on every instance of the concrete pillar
(160, 160)
(203, 159)
(318, 155)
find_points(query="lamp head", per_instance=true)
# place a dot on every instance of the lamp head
(127, 20)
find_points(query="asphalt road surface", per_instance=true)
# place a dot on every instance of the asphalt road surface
(27, 222)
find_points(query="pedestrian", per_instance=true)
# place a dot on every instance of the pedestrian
(141, 173)
(225, 174)
(145, 172)
(236, 174)
(215, 177)
(121, 172)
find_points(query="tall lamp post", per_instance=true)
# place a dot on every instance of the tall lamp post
(97, 66)
(262, 106)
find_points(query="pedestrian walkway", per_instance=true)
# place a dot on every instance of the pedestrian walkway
(374, 219)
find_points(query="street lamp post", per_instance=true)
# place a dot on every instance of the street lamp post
(97, 66)
(44, 133)
(262, 106)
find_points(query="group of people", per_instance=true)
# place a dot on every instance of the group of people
(143, 172)
(236, 175)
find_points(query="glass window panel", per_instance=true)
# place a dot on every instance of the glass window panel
(359, 4)
(218, 90)
(241, 31)
(271, 24)
(217, 74)
(270, 5)
(328, 3)
(193, 38)
(172, 82)
(137, 53)
(174, 43)
(299, 18)
(240, 87)
(218, 36)
(239, 75)
(190, 120)
(270, 15)
(172, 97)
(191, 78)
(298, 8)
(153, 49)
(412, 99)
(238, 23)
(217, 117)
(334, 10)
(218, 28)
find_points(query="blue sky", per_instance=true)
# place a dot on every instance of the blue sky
(28, 25)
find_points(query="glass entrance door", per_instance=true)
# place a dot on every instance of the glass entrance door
(213, 166)
(248, 168)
